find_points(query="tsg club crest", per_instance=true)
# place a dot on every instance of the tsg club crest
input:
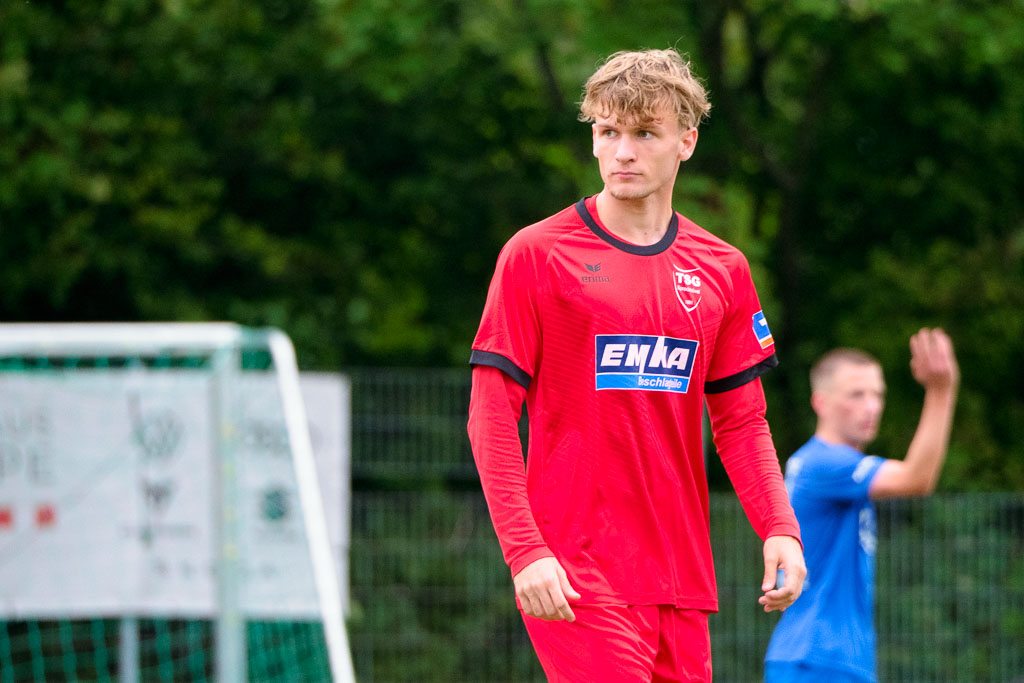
(687, 287)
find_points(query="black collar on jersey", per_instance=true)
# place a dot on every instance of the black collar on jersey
(656, 248)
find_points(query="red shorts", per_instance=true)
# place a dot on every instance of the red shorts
(657, 643)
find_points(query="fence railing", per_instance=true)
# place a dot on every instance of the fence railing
(432, 599)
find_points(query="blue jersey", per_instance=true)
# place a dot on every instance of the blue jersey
(831, 625)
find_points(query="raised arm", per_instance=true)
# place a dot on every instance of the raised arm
(933, 364)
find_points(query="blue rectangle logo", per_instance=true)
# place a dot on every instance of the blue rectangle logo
(761, 331)
(643, 362)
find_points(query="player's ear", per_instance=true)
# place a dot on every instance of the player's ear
(687, 143)
(817, 402)
(593, 131)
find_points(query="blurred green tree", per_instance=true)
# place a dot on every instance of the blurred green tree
(882, 146)
(348, 171)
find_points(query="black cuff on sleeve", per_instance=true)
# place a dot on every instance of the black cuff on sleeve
(719, 386)
(496, 360)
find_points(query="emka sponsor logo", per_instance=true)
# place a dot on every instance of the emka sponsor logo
(643, 362)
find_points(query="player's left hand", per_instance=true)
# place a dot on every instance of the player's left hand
(782, 553)
(932, 360)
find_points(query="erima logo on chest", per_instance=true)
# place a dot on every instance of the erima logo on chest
(596, 277)
(643, 362)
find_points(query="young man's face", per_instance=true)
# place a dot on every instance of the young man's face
(850, 405)
(638, 159)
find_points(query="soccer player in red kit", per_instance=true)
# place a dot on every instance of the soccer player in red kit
(615, 320)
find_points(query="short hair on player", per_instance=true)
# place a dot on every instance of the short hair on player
(634, 85)
(827, 365)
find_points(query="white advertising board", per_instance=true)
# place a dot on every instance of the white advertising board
(109, 492)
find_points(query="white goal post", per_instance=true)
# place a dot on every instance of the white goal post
(223, 344)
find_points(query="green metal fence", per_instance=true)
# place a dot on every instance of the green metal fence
(432, 599)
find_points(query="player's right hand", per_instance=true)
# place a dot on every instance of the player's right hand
(544, 592)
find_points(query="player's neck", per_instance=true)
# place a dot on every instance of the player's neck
(638, 221)
(833, 438)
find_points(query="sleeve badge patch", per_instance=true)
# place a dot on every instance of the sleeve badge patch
(761, 331)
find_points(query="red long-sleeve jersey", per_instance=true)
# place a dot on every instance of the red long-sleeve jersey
(614, 347)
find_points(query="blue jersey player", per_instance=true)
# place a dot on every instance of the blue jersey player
(828, 634)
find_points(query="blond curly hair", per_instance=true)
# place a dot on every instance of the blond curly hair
(635, 85)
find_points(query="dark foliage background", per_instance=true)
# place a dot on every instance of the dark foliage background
(348, 171)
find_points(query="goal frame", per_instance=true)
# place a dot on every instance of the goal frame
(224, 342)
